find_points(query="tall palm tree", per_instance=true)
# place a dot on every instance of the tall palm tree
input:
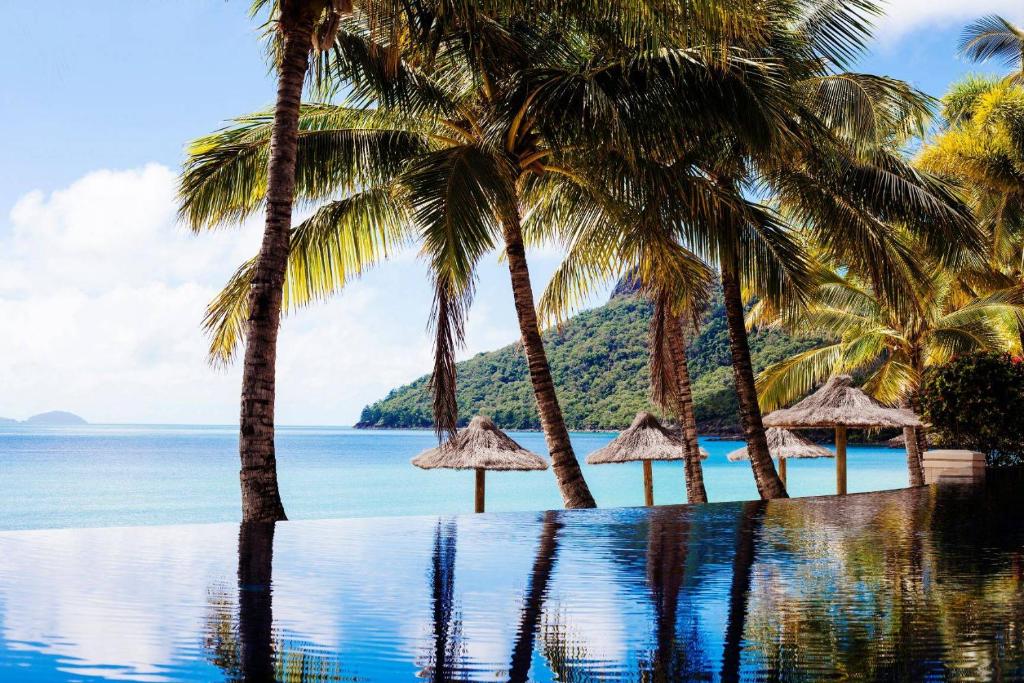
(830, 173)
(300, 27)
(842, 180)
(892, 348)
(452, 154)
(991, 37)
(981, 148)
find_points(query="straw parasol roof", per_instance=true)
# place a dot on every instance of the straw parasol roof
(483, 446)
(900, 441)
(785, 444)
(645, 439)
(840, 404)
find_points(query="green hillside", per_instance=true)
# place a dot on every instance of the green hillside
(599, 363)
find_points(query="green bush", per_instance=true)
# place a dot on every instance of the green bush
(977, 402)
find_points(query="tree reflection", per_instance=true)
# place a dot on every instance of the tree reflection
(919, 584)
(907, 585)
(751, 515)
(241, 642)
(673, 658)
(446, 621)
(533, 605)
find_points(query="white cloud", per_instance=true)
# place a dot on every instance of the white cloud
(903, 16)
(102, 293)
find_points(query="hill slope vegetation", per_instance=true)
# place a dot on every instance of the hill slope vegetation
(599, 363)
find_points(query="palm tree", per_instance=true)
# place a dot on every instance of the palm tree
(830, 172)
(301, 27)
(982, 150)
(994, 37)
(455, 151)
(891, 348)
(843, 180)
(619, 242)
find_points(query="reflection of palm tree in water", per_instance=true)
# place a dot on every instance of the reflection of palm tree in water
(444, 657)
(742, 567)
(533, 605)
(673, 659)
(247, 649)
(255, 606)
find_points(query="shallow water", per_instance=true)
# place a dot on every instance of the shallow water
(924, 584)
(129, 475)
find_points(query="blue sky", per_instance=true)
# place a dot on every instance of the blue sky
(101, 293)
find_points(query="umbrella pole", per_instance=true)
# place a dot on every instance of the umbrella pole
(782, 470)
(841, 461)
(648, 483)
(480, 472)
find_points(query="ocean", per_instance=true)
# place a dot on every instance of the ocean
(130, 475)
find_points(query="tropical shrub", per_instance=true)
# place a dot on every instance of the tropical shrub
(976, 401)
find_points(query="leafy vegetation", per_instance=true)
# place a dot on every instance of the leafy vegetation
(599, 360)
(976, 402)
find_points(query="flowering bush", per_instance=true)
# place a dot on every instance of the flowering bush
(977, 402)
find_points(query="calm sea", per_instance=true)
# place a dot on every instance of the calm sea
(126, 475)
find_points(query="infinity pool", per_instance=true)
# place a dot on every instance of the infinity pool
(905, 585)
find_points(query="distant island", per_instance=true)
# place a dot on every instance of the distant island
(53, 418)
(599, 362)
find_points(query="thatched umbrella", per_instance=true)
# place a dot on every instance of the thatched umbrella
(784, 444)
(841, 406)
(481, 446)
(900, 441)
(645, 440)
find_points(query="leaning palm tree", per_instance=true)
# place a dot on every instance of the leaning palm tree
(891, 348)
(450, 152)
(993, 37)
(301, 29)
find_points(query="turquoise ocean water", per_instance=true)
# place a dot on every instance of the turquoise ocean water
(127, 475)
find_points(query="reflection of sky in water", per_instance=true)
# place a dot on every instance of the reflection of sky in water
(901, 585)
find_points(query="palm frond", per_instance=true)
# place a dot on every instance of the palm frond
(782, 383)
(340, 149)
(337, 243)
(993, 37)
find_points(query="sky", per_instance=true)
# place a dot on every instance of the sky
(102, 291)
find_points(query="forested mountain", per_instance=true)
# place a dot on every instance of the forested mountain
(599, 362)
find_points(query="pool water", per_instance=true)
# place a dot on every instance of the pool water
(915, 584)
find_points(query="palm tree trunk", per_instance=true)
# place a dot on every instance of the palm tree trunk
(261, 500)
(574, 489)
(768, 483)
(915, 439)
(695, 491)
